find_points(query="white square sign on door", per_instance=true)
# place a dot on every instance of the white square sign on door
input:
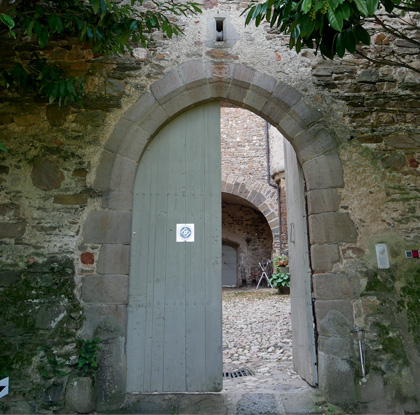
(185, 232)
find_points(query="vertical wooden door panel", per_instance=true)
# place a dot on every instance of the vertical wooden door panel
(174, 322)
(303, 334)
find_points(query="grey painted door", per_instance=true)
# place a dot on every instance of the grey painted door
(229, 266)
(303, 332)
(174, 339)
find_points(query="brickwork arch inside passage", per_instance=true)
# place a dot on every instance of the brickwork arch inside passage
(261, 195)
(191, 84)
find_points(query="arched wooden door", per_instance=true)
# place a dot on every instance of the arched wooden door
(174, 336)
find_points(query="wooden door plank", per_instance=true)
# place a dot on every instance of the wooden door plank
(136, 334)
(160, 251)
(150, 269)
(195, 292)
(174, 359)
(213, 251)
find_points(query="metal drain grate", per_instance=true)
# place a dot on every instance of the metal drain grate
(238, 373)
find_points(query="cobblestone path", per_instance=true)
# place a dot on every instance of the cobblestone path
(257, 336)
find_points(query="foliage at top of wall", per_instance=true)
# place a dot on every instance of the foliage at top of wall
(333, 27)
(110, 28)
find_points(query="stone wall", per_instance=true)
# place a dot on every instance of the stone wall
(66, 193)
(247, 229)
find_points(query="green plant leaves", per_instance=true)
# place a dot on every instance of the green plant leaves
(306, 5)
(335, 19)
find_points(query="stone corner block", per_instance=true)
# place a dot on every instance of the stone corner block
(323, 172)
(105, 289)
(324, 257)
(331, 228)
(114, 259)
(329, 286)
(334, 318)
(322, 201)
(107, 226)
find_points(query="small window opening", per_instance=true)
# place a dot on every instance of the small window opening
(219, 29)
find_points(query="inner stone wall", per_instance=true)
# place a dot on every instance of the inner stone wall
(249, 231)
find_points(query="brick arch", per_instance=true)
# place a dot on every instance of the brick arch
(262, 196)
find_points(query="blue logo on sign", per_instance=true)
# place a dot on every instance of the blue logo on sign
(185, 232)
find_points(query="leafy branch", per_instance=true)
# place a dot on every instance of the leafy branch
(334, 27)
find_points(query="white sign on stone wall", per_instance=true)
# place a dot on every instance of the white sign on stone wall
(4, 387)
(185, 232)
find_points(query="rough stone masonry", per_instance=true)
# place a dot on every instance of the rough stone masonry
(66, 199)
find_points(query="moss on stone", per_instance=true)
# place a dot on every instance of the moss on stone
(37, 310)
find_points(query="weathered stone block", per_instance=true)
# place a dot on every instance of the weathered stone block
(12, 230)
(105, 289)
(104, 170)
(334, 317)
(243, 76)
(403, 141)
(290, 127)
(255, 101)
(305, 114)
(80, 394)
(263, 84)
(323, 172)
(107, 227)
(330, 228)
(87, 258)
(313, 143)
(96, 312)
(336, 346)
(336, 380)
(76, 199)
(177, 104)
(322, 201)
(168, 87)
(116, 199)
(324, 257)
(335, 286)
(368, 76)
(274, 111)
(45, 174)
(373, 389)
(123, 174)
(111, 364)
(285, 95)
(127, 139)
(192, 73)
(114, 259)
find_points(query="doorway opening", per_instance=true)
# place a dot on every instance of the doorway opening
(257, 336)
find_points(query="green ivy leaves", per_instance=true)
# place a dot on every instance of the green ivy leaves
(331, 26)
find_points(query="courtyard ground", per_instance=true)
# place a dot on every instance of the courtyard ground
(256, 338)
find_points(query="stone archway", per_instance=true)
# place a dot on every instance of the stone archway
(193, 83)
(262, 196)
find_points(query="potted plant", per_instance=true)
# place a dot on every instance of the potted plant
(281, 276)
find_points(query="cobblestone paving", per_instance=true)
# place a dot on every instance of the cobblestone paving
(257, 336)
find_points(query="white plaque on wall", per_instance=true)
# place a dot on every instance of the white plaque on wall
(185, 232)
(382, 256)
